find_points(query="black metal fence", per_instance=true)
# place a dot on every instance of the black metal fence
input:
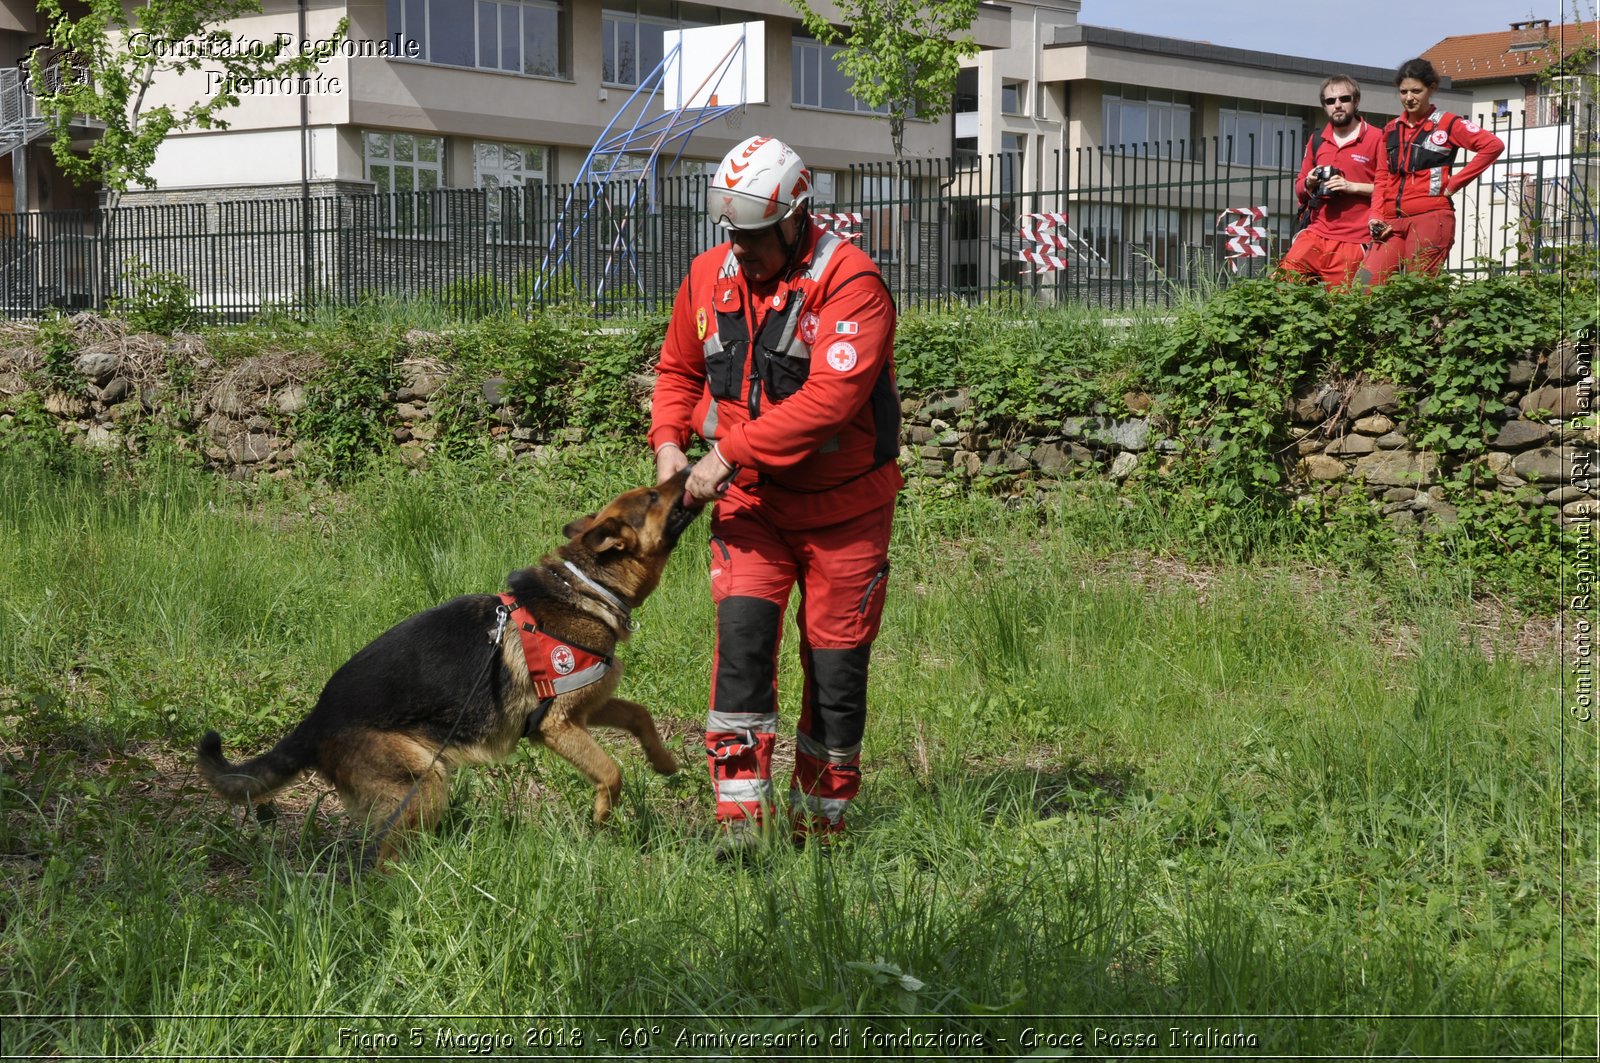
(1134, 226)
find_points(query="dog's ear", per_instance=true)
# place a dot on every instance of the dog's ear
(578, 527)
(613, 533)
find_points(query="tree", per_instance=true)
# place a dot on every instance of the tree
(900, 54)
(1572, 73)
(102, 61)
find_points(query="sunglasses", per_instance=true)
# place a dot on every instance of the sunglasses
(1329, 101)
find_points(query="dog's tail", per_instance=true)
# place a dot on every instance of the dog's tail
(253, 780)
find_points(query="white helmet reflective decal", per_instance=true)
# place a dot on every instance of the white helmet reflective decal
(759, 183)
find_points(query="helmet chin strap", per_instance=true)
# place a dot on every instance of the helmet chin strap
(791, 250)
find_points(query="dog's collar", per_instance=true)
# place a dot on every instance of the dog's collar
(624, 610)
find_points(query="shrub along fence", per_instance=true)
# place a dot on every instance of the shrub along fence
(1132, 226)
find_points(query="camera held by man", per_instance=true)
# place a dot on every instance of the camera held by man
(1319, 177)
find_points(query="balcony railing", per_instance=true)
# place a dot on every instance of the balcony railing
(21, 119)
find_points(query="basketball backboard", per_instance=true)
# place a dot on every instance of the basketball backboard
(715, 66)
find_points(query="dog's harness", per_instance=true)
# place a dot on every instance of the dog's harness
(555, 666)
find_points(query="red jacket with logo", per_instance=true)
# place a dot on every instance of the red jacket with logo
(793, 381)
(1343, 215)
(1416, 167)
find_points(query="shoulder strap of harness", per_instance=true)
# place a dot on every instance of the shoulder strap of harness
(555, 666)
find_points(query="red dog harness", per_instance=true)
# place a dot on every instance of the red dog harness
(554, 666)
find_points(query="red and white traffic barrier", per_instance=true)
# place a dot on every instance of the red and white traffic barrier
(840, 224)
(1040, 229)
(1245, 237)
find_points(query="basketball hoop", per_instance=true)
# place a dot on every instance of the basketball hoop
(705, 73)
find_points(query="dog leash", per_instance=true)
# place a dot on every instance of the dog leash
(502, 616)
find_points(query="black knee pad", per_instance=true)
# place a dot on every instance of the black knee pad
(839, 696)
(747, 640)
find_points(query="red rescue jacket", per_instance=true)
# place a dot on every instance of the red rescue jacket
(1343, 215)
(793, 380)
(1416, 169)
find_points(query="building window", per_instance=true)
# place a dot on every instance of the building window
(819, 83)
(1562, 100)
(402, 165)
(513, 175)
(1148, 122)
(1012, 95)
(1158, 242)
(966, 149)
(966, 91)
(510, 165)
(965, 219)
(1257, 134)
(628, 43)
(1102, 227)
(882, 200)
(1013, 147)
(517, 36)
(630, 35)
(823, 183)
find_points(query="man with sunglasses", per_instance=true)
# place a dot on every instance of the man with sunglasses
(780, 355)
(1334, 209)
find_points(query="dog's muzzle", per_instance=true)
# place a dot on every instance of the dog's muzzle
(681, 517)
(684, 509)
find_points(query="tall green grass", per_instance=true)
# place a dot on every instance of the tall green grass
(1099, 785)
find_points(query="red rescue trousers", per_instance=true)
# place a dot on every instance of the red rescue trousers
(1420, 243)
(1314, 256)
(842, 571)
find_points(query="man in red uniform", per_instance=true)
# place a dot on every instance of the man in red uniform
(779, 354)
(1413, 220)
(1335, 189)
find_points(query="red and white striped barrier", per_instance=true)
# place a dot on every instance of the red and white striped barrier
(840, 223)
(1041, 229)
(1244, 235)
(1046, 263)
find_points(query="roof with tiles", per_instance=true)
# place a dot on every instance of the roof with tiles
(1524, 50)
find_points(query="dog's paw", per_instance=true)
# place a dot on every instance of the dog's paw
(665, 764)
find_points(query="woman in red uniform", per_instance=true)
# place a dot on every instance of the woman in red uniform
(1413, 221)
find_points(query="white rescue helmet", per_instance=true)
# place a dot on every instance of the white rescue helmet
(758, 184)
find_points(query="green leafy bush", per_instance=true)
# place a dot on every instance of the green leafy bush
(58, 348)
(1022, 368)
(159, 301)
(1229, 366)
(348, 405)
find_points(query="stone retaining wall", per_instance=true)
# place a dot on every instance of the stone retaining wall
(1355, 436)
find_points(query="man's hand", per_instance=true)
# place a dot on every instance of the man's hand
(707, 476)
(1378, 228)
(670, 460)
(1344, 184)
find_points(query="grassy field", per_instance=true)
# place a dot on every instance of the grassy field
(1115, 803)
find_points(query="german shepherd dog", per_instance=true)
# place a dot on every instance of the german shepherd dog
(451, 685)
